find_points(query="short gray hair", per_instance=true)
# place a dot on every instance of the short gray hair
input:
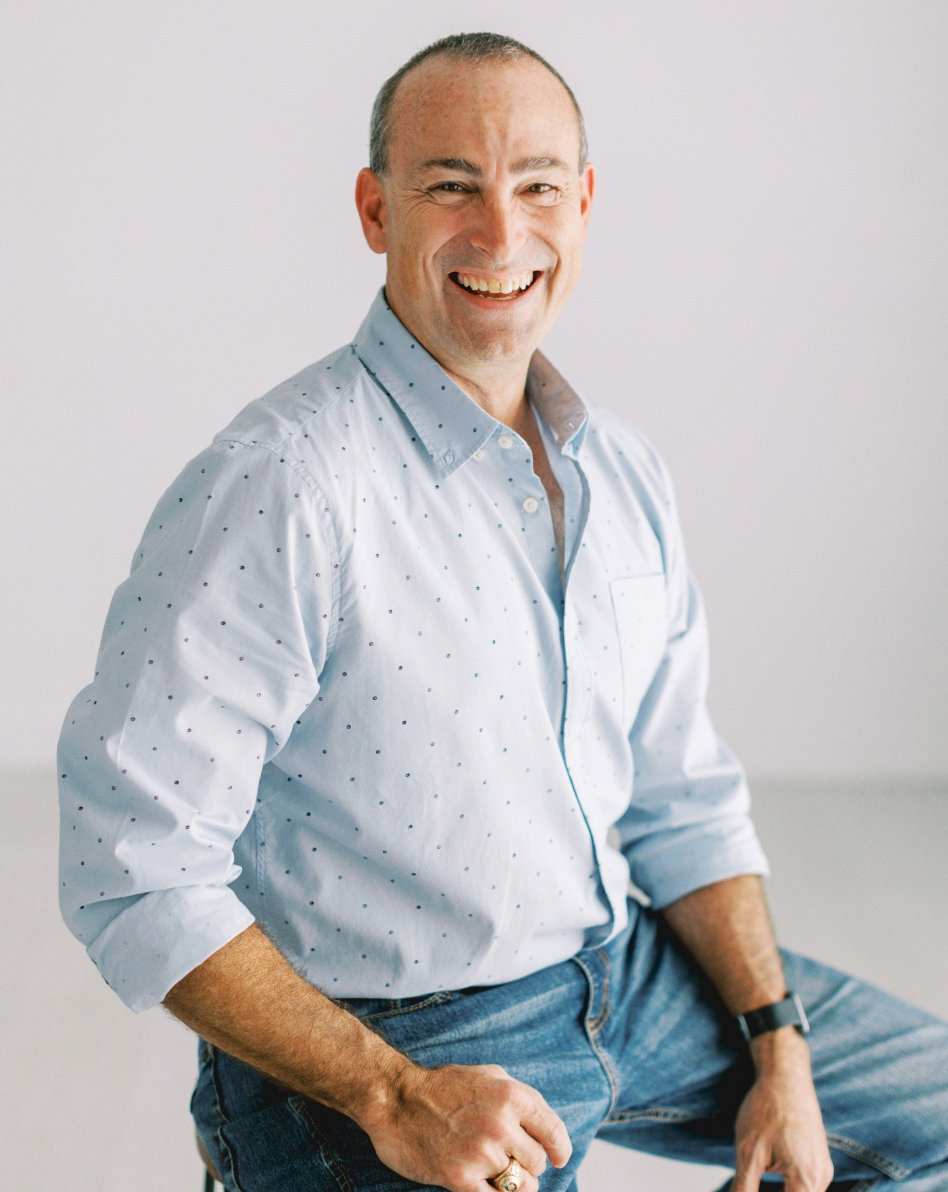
(464, 47)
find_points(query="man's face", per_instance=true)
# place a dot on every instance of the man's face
(482, 211)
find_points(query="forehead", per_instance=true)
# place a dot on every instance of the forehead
(501, 110)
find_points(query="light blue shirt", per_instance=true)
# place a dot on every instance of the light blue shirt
(343, 692)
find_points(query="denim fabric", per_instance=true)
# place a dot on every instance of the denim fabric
(629, 1043)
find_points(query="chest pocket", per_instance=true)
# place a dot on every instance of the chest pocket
(641, 614)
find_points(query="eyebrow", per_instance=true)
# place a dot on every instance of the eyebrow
(525, 166)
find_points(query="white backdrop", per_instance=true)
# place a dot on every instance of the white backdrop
(766, 295)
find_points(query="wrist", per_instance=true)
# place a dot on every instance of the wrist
(372, 1099)
(779, 1051)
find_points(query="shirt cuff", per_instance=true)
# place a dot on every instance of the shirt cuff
(159, 939)
(668, 865)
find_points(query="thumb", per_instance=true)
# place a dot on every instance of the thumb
(750, 1167)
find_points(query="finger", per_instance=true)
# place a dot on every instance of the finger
(530, 1184)
(797, 1181)
(528, 1153)
(548, 1129)
(749, 1171)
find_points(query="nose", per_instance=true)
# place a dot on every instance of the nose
(498, 232)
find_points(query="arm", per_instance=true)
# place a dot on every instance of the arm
(779, 1128)
(453, 1126)
(212, 650)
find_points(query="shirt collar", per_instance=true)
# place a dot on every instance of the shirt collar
(449, 423)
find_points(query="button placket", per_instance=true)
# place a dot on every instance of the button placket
(576, 695)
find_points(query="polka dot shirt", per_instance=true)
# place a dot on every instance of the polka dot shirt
(345, 692)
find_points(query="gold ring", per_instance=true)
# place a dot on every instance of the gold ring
(510, 1179)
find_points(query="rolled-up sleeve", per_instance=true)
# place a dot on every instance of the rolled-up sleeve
(211, 651)
(688, 822)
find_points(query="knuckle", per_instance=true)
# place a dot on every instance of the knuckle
(533, 1158)
(558, 1129)
(455, 1174)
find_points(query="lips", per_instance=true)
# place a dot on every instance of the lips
(492, 286)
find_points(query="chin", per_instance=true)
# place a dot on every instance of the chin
(494, 345)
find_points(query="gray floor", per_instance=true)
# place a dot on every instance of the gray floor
(94, 1098)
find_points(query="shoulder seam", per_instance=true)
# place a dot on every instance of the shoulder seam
(225, 437)
(329, 529)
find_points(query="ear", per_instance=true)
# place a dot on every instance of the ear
(587, 190)
(372, 208)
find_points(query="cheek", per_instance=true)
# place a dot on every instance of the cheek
(425, 234)
(562, 231)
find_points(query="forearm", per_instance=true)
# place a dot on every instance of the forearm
(247, 1000)
(451, 1126)
(778, 1127)
(726, 927)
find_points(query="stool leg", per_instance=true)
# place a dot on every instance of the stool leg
(208, 1182)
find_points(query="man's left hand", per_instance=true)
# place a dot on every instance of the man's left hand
(779, 1127)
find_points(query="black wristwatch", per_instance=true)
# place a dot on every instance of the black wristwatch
(789, 1012)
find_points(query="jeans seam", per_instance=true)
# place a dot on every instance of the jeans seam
(604, 1061)
(223, 1148)
(653, 1115)
(856, 1150)
(434, 1000)
(341, 1178)
(603, 1014)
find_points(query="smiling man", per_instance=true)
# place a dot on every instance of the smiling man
(407, 681)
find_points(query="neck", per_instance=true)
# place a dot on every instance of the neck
(497, 387)
(500, 389)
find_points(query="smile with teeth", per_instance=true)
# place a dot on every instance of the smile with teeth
(492, 285)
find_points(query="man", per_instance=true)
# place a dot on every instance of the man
(407, 680)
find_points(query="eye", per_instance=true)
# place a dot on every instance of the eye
(539, 188)
(451, 187)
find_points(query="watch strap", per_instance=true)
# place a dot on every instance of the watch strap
(788, 1012)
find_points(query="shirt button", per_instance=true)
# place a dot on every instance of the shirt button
(478, 454)
(504, 441)
(530, 505)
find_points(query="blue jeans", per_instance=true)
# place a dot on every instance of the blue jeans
(629, 1043)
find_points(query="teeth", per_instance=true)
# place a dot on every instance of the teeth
(491, 285)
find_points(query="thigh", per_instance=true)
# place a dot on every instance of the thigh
(680, 1066)
(267, 1139)
(880, 1065)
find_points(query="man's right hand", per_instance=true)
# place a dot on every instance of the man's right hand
(454, 1126)
(459, 1126)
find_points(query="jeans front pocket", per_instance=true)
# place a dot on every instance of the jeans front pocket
(641, 611)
